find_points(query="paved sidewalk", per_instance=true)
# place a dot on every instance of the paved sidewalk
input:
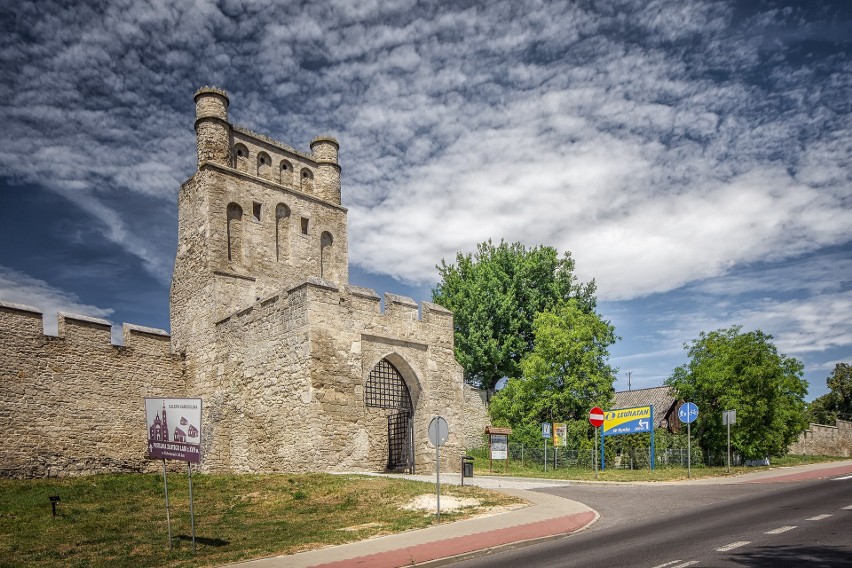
(546, 517)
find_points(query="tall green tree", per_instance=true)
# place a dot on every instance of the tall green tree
(837, 402)
(494, 294)
(732, 370)
(564, 375)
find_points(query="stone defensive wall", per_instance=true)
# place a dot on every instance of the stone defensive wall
(73, 404)
(824, 440)
(327, 338)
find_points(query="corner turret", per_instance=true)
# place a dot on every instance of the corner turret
(324, 151)
(212, 130)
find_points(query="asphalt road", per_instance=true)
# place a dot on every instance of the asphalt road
(806, 523)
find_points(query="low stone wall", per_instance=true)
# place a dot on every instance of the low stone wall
(823, 440)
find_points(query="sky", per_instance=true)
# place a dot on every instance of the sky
(692, 156)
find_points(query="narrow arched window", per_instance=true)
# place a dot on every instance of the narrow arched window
(264, 166)
(235, 232)
(307, 180)
(286, 173)
(326, 254)
(241, 158)
(282, 232)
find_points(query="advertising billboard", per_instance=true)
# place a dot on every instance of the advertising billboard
(628, 420)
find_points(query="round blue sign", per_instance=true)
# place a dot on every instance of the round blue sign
(687, 412)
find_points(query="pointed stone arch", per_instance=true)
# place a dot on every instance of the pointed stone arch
(388, 389)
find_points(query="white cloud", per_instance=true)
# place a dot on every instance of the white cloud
(661, 143)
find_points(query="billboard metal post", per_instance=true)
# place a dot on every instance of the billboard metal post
(653, 455)
(191, 510)
(166, 489)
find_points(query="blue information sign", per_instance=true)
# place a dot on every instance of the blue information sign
(687, 412)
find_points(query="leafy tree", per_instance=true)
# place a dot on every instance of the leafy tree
(837, 403)
(732, 370)
(494, 294)
(564, 375)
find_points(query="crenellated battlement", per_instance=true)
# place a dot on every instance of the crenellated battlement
(357, 298)
(28, 322)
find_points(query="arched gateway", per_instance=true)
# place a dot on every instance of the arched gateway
(386, 389)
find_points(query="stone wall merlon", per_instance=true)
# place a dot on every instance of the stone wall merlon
(128, 328)
(397, 299)
(433, 313)
(315, 282)
(77, 317)
(20, 308)
(368, 293)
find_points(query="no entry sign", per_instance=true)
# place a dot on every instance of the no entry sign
(596, 417)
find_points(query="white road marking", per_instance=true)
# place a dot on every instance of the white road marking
(733, 545)
(667, 564)
(844, 477)
(780, 530)
(847, 508)
(818, 518)
(685, 564)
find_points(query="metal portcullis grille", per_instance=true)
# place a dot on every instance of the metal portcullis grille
(386, 388)
(400, 442)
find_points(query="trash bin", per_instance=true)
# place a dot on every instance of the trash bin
(467, 467)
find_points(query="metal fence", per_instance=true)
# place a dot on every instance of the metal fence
(622, 458)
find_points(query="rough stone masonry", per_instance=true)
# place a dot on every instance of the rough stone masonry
(298, 370)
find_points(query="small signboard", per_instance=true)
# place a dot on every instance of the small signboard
(499, 447)
(627, 420)
(560, 435)
(174, 428)
(729, 417)
(545, 430)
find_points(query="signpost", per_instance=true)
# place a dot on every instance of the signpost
(545, 434)
(729, 417)
(174, 433)
(438, 433)
(687, 413)
(596, 419)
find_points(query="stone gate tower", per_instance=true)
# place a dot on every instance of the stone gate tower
(298, 369)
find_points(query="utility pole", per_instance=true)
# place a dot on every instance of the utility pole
(628, 379)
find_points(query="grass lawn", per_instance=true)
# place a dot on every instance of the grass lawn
(120, 520)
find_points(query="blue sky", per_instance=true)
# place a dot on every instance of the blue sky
(693, 156)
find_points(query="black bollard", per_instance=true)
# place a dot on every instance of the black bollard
(54, 499)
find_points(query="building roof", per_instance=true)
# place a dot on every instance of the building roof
(661, 397)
